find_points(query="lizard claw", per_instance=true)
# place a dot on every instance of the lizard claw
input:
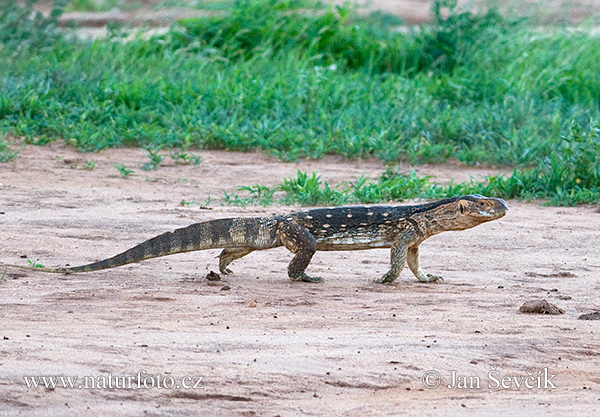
(307, 278)
(434, 278)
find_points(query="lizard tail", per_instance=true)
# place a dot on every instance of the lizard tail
(257, 233)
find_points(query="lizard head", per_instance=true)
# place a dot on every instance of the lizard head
(475, 209)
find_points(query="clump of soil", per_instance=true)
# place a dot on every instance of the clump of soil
(590, 316)
(213, 276)
(540, 307)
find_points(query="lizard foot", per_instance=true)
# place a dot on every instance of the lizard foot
(431, 278)
(307, 278)
(385, 279)
(226, 271)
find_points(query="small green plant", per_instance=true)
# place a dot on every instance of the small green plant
(6, 153)
(124, 171)
(90, 165)
(188, 203)
(310, 190)
(236, 200)
(196, 160)
(34, 264)
(155, 159)
(181, 156)
(260, 194)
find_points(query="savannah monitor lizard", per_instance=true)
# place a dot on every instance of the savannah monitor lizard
(401, 228)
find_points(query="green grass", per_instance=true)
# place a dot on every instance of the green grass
(90, 165)
(34, 264)
(155, 159)
(6, 152)
(102, 5)
(181, 156)
(124, 171)
(295, 82)
(311, 190)
(196, 4)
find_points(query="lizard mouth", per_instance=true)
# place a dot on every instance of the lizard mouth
(497, 211)
(501, 208)
(498, 214)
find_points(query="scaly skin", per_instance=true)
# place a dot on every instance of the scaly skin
(401, 228)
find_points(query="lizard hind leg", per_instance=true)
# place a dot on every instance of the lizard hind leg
(228, 255)
(302, 243)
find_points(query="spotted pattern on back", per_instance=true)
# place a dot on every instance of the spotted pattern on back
(327, 222)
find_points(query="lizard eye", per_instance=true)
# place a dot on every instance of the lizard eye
(462, 209)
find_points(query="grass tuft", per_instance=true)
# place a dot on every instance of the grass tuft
(124, 171)
(6, 153)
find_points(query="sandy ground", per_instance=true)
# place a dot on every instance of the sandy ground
(266, 346)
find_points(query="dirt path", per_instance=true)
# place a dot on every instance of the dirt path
(266, 346)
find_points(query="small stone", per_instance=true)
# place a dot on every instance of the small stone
(540, 307)
(213, 276)
(590, 316)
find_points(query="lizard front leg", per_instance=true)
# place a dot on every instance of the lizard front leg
(228, 255)
(412, 259)
(298, 240)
